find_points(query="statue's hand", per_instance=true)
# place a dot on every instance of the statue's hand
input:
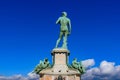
(69, 33)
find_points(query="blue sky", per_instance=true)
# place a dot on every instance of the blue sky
(28, 32)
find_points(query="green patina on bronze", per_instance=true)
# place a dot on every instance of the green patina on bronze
(42, 65)
(65, 29)
(77, 65)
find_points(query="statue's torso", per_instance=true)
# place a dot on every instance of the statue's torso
(64, 23)
(75, 64)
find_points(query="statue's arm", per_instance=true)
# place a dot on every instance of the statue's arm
(69, 23)
(58, 21)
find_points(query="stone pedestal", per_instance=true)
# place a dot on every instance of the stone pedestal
(60, 68)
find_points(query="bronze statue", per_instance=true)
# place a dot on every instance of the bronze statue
(78, 66)
(65, 29)
(42, 65)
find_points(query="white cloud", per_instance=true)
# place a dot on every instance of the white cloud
(107, 67)
(20, 77)
(106, 71)
(88, 63)
(33, 76)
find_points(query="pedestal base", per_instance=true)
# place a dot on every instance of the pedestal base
(60, 68)
(64, 77)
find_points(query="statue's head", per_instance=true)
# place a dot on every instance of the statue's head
(64, 13)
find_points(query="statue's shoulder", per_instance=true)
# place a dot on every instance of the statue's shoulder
(68, 19)
(60, 18)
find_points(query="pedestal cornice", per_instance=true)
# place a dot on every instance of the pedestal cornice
(60, 51)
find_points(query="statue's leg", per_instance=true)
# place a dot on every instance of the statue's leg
(65, 40)
(58, 41)
(80, 68)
